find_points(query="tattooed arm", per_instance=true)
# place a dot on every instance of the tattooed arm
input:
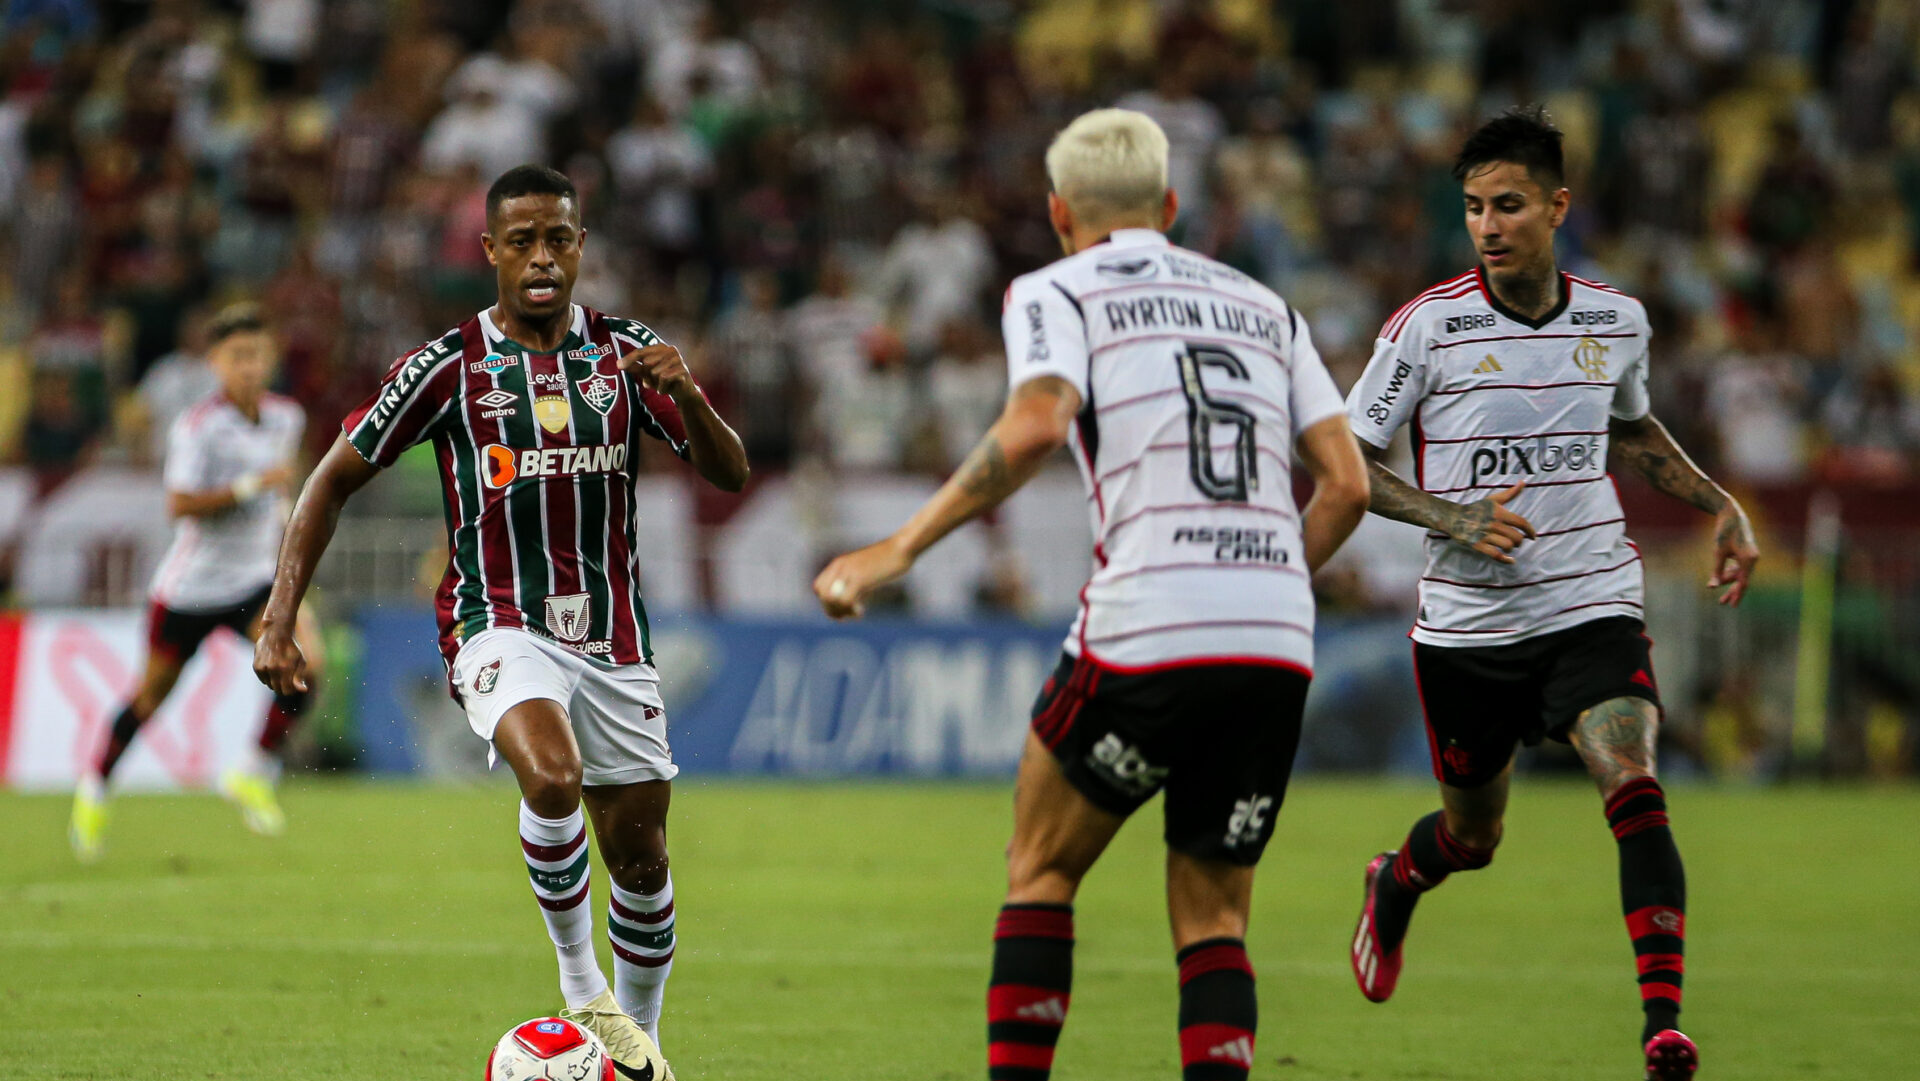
(1033, 425)
(1646, 448)
(1487, 526)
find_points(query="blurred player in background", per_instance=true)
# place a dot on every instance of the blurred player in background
(1185, 390)
(228, 462)
(536, 409)
(1520, 381)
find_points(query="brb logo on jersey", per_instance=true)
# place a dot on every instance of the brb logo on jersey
(505, 465)
(1539, 454)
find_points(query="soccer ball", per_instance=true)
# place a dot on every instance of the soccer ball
(549, 1049)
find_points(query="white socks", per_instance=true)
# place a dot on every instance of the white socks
(640, 927)
(556, 854)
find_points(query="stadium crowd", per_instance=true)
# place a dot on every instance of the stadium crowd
(823, 202)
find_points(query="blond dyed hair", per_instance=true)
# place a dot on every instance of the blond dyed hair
(1110, 163)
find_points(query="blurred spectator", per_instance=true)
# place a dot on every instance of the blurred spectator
(660, 171)
(1758, 397)
(173, 384)
(751, 341)
(832, 332)
(966, 385)
(937, 269)
(1875, 427)
(1194, 129)
(704, 63)
(59, 433)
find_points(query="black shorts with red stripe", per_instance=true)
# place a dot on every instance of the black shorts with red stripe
(176, 635)
(1481, 701)
(1220, 738)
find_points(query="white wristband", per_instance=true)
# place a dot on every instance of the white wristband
(246, 487)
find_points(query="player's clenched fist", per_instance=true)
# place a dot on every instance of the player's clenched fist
(278, 662)
(660, 367)
(844, 585)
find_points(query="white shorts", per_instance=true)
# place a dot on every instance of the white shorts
(617, 715)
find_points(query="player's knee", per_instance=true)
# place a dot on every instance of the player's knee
(551, 786)
(640, 868)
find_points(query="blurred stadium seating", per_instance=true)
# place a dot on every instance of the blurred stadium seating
(821, 203)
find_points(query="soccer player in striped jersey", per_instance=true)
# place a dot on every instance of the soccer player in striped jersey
(229, 460)
(1520, 382)
(1187, 392)
(536, 409)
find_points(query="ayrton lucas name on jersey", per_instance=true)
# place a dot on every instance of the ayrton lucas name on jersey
(1163, 311)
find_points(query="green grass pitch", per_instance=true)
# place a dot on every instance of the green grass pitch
(841, 932)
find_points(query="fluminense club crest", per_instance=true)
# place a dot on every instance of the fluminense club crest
(599, 392)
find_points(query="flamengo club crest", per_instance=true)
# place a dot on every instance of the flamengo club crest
(599, 392)
(1591, 357)
(567, 616)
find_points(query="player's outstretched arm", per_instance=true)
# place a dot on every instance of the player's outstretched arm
(1340, 488)
(1646, 448)
(1033, 425)
(217, 501)
(1487, 526)
(713, 448)
(277, 659)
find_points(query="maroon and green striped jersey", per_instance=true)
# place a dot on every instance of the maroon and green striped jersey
(537, 453)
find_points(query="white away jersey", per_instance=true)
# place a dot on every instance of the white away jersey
(1196, 381)
(221, 560)
(1495, 399)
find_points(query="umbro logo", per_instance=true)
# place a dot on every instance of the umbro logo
(1047, 1009)
(1236, 1050)
(496, 403)
(1488, 365)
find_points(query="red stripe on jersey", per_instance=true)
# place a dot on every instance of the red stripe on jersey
(560, 495)
(1517, 386)
(1602, 286)
(617, 544)
(1522, 435)
(1536, 581)
(1392, 333)
(1530, 485)
(1533, 337)
(1189, 624)
(1391, 327)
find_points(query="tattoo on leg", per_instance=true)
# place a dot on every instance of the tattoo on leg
(1615, 739)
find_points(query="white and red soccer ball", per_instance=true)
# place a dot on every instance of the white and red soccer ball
(549, 1049)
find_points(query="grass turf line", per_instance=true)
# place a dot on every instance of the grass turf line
(842, 932)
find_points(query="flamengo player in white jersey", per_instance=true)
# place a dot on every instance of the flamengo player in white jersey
(1519, 382)
(228, 462)
(536, 409)
(1185, 390)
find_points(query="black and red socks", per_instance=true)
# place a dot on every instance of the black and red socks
(1218, 1011)
(1429, 854)
(1653, 895)
(1031, 986)
(125, 726)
